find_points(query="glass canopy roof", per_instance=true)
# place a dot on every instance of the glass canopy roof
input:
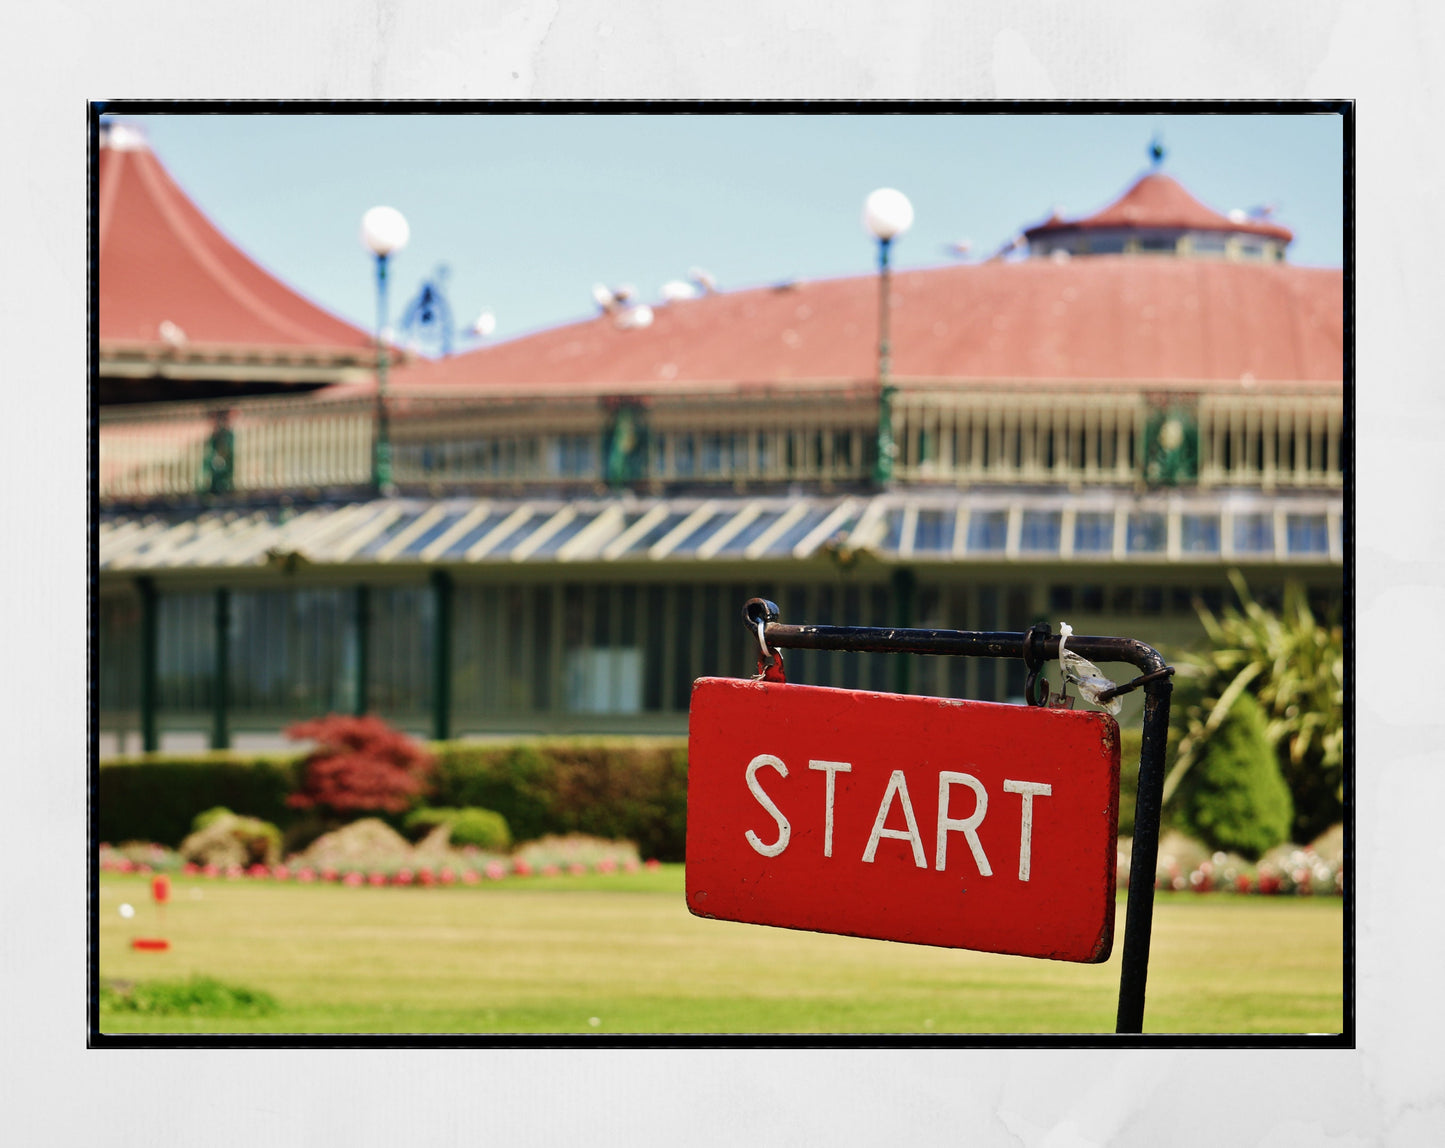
(915, 527)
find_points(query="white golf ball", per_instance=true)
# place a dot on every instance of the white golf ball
(127, 911)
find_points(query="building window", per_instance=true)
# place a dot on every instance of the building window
(683, 455)
(1040, 530)
(988, 530)
(118, 653)
(293, 652)
(934, 531)
(1199, 533)
(1158, 244)
(1208, 244)
(604, 681)
(1253, 533)
(186, 651)
(402, 624)
(1147, 532)
(1094, 532)
(716, 454)
(1307, 534)
(574, 456)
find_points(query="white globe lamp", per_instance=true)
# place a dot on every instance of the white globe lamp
(384, 230)
(887, 213)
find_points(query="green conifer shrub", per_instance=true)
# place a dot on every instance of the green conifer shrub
(1235, 799)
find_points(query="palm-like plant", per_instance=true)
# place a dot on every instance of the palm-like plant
(1295, 667)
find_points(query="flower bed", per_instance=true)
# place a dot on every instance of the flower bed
(468, 866)
(1290, 870)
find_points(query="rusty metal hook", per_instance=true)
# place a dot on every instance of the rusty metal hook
(1036, 688)
(757, 613)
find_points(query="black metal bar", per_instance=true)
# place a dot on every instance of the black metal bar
(1139, 909)
(221, 687)
(441, 664)
(959, 643)
(149, 660)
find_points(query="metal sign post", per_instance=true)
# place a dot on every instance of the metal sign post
(925, 820)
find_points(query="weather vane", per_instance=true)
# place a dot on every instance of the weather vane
(429, 314)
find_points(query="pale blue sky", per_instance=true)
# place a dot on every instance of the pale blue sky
(529, 211)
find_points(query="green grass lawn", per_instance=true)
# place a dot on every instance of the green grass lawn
(621, 954)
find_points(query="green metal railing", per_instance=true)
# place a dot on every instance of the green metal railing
(954, 437)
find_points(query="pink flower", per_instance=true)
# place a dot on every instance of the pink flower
(550, 870)
(210, 870)
(376, 878)
(352, 878)
(403, 877)
(495, 870)
(632, 866)
(190, 869)
(1241, 883)
(306, 874)
(469, 877)
(234, 871)
(521, 869)
(577, 869)
(258, 871)
(607, 865)
(654, 863)
(328, 874)
(426, 877)
(281, 873)
(447, 875)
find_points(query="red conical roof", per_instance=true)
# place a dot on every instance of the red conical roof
(1157, 201)
(171, 283)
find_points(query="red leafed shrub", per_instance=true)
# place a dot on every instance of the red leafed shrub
(360, 765)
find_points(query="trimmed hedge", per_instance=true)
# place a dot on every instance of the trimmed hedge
(632, 789)
(621, 789)
(157, 798)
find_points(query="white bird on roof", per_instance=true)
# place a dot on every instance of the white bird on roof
(634, 318)
(676, 289)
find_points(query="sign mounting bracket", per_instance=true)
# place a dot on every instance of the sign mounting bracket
(1034, 647)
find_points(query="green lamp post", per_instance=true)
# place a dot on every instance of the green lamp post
(887, 214)
(384, 232)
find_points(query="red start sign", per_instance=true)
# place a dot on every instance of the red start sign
(965, 824)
